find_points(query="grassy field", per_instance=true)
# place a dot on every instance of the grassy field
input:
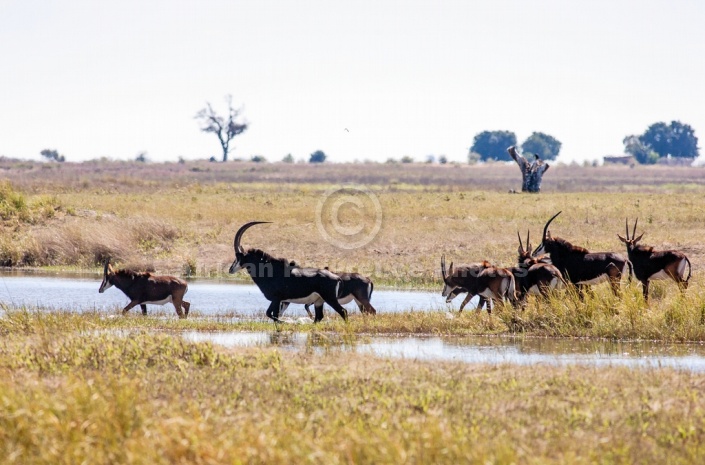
(93, 388)
(74, 389)
(174, 219)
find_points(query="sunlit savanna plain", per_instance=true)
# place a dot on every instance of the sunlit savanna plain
(99, 389)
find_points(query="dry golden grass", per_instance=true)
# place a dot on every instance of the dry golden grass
(173, 228)
(73, 394)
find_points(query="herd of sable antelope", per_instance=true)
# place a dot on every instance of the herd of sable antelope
(553, 264)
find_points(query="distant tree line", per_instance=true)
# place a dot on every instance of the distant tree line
(492, 145)
(661, 140)
(52, 155)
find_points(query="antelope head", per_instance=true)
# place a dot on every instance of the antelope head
(240, 255)
(541, 249)
(448, 284)
(630, 242)
(524, 253)
(108, 274)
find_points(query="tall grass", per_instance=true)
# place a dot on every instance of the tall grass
(671, 317)
(82, 396)
(15, 207)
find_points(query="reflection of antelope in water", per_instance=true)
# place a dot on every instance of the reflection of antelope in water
(650, 264)
(144, 288)
(483, 279)
(355, 287)
(579, 266)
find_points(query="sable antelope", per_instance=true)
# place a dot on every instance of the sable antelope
(143, 288)
(461, 290)
(578, 265)
(283, 281)
(655, 264)
(355, 287)
(535, 275)
(525, 255)
(481, 279)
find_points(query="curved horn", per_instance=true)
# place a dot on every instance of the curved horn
(545, 228)
(521, 246)
(634, 231)
(443, 267)
(241, 231)
(626, 227)
(528, 243)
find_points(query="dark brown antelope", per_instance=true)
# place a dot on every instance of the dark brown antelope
(650, 264)
(481, 279)
(281, 280)
(355, 287)
(455, 280)
(535, 275)
(461, 290)
(525, 255)
(579, 266)
(144, 288)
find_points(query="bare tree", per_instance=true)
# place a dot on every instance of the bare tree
(531, 171)
(225, 128)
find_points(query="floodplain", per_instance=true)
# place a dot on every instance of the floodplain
(102, 388)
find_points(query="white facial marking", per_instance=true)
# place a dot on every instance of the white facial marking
(235, 267)
(106, 285)
(447, 290)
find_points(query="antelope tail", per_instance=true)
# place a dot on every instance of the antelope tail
(512, 290)
(370, 288)
(631, 271)
(338, 290)
(690, 269)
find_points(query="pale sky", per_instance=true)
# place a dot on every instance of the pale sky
(415, 77)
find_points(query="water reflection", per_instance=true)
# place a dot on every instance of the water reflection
(480, 349)
(206, 297)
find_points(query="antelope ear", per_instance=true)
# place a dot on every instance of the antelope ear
(520, 250)
(622, 239)
(111, 270)
(548, 234)
(638, 238)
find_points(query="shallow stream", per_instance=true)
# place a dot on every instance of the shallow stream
(482, 349)
(208, 297)
(211, 298)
